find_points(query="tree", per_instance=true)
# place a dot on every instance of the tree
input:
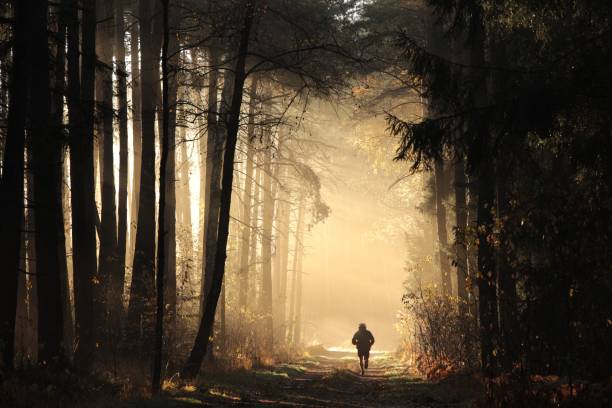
(11, 183)
(232, 119)
(142, 291)
(46, 150)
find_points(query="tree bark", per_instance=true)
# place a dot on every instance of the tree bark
(232, 119)
(136, 128)
(296, 296)
(247, 202)
(108, 255)
(441, 193)
(460, 237)
(162, 226)
(487, 272)
(265, 301)
(11, 183)
(80, 96)
(142, 292)
(46, 150)
(118, 280)
(214, 159)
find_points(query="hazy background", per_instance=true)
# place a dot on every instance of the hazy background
(354, 261)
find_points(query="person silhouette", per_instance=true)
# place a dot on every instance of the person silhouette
(363, 340)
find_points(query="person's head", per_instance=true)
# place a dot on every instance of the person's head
(362, 326)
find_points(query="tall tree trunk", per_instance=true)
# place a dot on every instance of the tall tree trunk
(460, 236)
(297, 332)
(118, 279)
(214, 159)
(104, 294)
(295, 302)
(142, 292)
(265, 301)
(441, 193)
(46, 150)
(247, 202)
(255, 234)
(282, 253)
(11, 183)
(232, 119)
(57, 117)
(30, 225)
(487, 272)
(161, 229)
(80, 95)
(184, 205)
(136, 127)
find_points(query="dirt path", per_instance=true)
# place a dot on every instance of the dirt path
(329, 380)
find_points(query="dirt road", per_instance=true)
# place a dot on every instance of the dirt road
(330, 379)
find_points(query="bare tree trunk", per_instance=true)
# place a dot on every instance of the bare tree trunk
(460, 237)
(232, 119)
(171, 77)
(297, 329)
(118, 280)
(255, 233)
(282, 254)
(161, 230)
(214, 159)
(136, 128)
(142, 292)
(11, 183)
(487, 271)
(265, 301)
(103, 293)
(81, 117)
(247, 202)
(46, 150)
(294, 281)
(441, 193)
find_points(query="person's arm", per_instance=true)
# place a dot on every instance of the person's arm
(371, 339)
(354, 341)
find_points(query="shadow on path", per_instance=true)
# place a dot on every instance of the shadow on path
(330, 380)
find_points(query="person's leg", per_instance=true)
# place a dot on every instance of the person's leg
(360, 362)
(366, 357)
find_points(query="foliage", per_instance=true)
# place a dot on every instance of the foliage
(443, 338)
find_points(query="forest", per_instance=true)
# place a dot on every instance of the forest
(202, 200)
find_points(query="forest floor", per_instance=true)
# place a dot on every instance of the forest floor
(329, 379)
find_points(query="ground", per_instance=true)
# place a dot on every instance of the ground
(324, 379)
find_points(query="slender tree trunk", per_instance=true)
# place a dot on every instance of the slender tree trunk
(297, 331)
(266, 244)
(118, 280)
(214, 159)
(161, 230)
(80, 96)
(142, 292)
(187, 248)
(255, 233)
(283, 219)
(232, 119)
(460, 237)
(57, 117)
(31, 263)
(487, 272)
(296, 281)
(247, 201)
(47, 199)
(136, 128)
(104, 294)
(11, 183)
(441, 193)
(172, 85)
